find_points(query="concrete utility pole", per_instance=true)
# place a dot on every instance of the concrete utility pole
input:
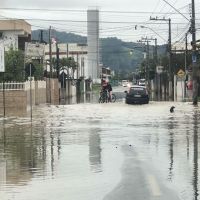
(41, 36)
(57, 59)
(50, 64)
(155, 57)
(170, 55)
(186, 53)
(147, 67)
(50, 52)
(194, 57)
(155, 48)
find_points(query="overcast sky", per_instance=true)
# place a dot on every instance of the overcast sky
(84, 4)
(117, 18)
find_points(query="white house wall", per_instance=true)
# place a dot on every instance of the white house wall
(10, 39)
(71, 50)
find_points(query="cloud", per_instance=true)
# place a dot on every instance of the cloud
(47, 3)
(69, 4)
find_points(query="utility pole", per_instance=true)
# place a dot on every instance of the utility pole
(57, 59)
(77, 69)
(186, 53)
(155, 48)
(148, 64)
(156, 51)
(50, 52)
(155, 57)
(170, 55)
(41, 36)
(194, 57)
(50, 63)
(147, 67)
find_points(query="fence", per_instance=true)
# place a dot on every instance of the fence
(12, 86)
(22, 85)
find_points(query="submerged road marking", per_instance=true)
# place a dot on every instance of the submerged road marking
(155, 189)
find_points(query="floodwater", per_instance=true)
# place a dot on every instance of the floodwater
(97, 151)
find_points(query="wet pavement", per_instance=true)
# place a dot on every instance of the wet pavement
(110, 151)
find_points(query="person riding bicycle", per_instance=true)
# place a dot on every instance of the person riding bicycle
(106, 86)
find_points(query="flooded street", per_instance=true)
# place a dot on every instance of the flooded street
(110, 151)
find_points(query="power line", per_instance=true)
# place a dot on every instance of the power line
(176, 10)
(83, 11)
(85, 21)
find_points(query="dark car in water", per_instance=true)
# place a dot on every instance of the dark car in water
(137, 95)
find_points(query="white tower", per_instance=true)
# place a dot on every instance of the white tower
(93, 44)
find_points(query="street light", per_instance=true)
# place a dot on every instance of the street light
(154, 32)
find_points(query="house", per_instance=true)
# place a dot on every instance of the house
(14, 33)
(77, 51)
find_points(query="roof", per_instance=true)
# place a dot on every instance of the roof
(15, 25)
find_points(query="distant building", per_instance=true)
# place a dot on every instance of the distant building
(34, 51)
(180, 46)
(77, 51)
(14, 33)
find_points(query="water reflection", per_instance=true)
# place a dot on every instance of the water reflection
(171, 153)
(95, 151)
(188, 145)
(52, 152)
(2, 158)
(171, 126)
(2, 172)
(64, 150)
(88, 97)
(22, 152)
(195, 172)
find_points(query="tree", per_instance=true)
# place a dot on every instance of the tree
(68, 63)
(15, 69)
(39, 71)
(14, 65)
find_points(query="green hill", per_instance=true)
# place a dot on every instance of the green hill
(115, 53)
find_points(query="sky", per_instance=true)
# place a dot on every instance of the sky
(128, 20)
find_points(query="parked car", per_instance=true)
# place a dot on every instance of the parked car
(124, 83)
(142, 82)
(137, 95)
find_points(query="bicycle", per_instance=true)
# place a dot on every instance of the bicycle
(105, 97)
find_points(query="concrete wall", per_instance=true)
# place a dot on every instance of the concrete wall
(181, 93)
(15, 103)
(40, 92)
(18, 102)
(52, 91)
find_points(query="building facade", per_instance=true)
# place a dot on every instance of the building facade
(77, 51)
(14, 33)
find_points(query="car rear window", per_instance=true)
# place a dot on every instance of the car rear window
(137, 90)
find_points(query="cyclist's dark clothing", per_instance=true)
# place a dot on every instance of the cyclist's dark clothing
(107, 87)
